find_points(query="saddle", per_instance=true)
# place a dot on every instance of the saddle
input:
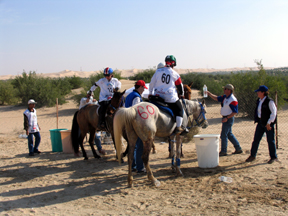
(162, 105)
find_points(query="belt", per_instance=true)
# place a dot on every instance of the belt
(224, 116)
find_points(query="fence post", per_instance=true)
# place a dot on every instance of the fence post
(276, 103)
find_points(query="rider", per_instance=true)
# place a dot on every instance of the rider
(165, 83)
(107, 84)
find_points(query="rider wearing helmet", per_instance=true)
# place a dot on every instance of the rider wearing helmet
(165, 83)
(107, 84)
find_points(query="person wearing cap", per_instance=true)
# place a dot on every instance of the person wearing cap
(90, 100)
(132, 99)
(32, 128)
(229, 108)
(87, 100)
(265, 116)
(108, 84)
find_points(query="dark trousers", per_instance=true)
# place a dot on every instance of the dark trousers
(260, 130)
(138, 151)
(102, 111)
(30, 142)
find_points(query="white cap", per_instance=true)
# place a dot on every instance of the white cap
(160, 65)
(31, 101)
(91, 93)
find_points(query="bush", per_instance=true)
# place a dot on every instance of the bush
(145, 75)
(7, 93)
(43, 90)
(75, 82)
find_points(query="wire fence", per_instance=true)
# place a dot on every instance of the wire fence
(244, 126)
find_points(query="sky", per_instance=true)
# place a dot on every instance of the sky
(50, 36)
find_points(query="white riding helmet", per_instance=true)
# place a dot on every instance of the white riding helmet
(160, 65)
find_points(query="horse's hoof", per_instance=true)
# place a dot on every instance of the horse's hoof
(179, 174)
(86, 158)
(182, 156)
(122, 161)
(173, 169)
(154, 151)
(157, 183)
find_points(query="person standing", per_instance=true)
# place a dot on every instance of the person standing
(229, 108)
(107, 84)
(32, 128)
(165, 82)
(134, 98)
(265, 116)
(90, 100)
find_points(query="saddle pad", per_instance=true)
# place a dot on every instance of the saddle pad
(164, 108)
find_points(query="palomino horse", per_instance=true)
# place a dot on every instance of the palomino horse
(86, 119)
(145, 120)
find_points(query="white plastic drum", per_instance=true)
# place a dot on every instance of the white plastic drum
(207, 147)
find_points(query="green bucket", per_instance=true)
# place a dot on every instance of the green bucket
(56, 140)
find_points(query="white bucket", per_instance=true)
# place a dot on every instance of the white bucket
(207, 147)
(66, 141)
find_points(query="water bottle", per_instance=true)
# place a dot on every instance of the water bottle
(23, 136)
(225, 179)
(205, 91)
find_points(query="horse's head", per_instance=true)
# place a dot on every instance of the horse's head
(198, 111)
(116, 101)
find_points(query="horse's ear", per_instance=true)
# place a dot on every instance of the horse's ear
(190, 84)
(203, 102)
(122, 93)
(115, 90)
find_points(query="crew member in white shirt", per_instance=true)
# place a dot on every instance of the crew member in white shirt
(265, 116)
(229, 108)
(32, 128)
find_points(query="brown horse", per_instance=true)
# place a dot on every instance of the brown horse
(86, 119)
(188, 91)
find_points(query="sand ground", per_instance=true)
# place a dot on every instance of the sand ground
(55, 183)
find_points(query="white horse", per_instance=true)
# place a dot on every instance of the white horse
(145, 120)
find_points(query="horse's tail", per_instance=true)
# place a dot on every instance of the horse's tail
(122, 119)
(75, 134)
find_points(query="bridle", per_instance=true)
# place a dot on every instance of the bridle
(200, 116)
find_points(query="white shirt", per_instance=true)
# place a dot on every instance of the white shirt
(226, 110)
(84, 103)
(272, 108)
(32, 121)
(163, 83)
(136, 100)
(107, 88)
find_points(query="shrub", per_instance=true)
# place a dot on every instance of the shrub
(145, 75)
(7, 93)
(43, 90)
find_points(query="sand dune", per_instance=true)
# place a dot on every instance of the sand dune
(129, 72)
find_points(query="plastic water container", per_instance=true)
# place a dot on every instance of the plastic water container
(56, 140)
(66, 141)
(205, 91)
(207, 147)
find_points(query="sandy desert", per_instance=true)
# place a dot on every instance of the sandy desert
(55, 183)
